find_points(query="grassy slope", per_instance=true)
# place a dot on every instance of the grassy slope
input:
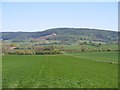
(57, 71)
(98, 56)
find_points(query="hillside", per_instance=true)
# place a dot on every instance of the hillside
(64, 34)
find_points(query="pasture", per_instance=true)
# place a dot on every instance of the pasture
(89, 47)
(59, 71)
(111, 57)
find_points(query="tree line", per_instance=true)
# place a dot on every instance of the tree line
(48, 50)
(33, 51)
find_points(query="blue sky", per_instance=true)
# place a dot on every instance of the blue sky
(38, 16)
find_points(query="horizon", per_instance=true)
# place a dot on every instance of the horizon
(40, 16)
(62, 28)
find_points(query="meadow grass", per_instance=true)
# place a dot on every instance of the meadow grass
(97, 56)
(58, 71)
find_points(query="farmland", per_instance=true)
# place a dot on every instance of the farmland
(98, 56)
(60, 71)
(60, 58)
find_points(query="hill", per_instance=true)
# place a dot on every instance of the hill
(64, 34)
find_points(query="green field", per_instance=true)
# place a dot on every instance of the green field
(103, 46)
(98, 56)
(60, 71)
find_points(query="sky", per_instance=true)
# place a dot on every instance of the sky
(39, 16)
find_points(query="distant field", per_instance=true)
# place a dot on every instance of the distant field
(104, 47)
(58, 72)
(98, 56)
